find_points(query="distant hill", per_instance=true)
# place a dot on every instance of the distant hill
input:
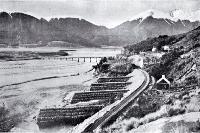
(19, 28)
(172, 64)
(186, 41)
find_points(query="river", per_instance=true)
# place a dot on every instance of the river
(28, 85)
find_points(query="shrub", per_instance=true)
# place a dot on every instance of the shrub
(3, 112)
(175, 111)
(7, 121)
(195, 127)
(166, 64)
(121, 68)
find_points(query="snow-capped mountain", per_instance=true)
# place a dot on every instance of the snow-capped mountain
(154, 13)
(173, 15)
(153, 23)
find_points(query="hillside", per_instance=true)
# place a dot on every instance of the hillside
(187, 41)
(183, 47)
(160, 110)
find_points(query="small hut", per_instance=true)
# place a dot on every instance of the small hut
(154, 49)
(166, 48)
(163, 83)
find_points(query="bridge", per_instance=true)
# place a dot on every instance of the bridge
(90, 58)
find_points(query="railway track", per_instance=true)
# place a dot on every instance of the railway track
(98, 123)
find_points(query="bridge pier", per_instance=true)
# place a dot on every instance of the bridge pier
(73, 58)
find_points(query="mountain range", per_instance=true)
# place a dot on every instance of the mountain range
(19, 28)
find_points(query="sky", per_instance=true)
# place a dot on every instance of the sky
(109, 13)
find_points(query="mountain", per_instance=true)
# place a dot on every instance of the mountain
(173, 15)
(155, 14)
(19, 28)
(149, 24)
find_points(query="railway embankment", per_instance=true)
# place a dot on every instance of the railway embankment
(104, 92)
(140, 81)
(113, 93)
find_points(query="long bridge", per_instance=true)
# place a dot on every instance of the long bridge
(72, 58)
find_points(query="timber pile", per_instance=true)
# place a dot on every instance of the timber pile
(116, 79)
(100, 88)
(105, 91)
(117, 84)
(71, 115)
(97, 95)
(109, 86)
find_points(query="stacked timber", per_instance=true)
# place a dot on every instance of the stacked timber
(85, 104)
(100, 88)
(70, 115)
(114, 79)
(97, 95)
(117, 84)
(109, 86)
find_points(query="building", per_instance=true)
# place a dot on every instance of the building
(163, 83)
(166, 48)
(154, 49)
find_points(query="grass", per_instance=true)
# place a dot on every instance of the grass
(179, 105)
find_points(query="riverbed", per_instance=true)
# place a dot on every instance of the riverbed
(28, 85)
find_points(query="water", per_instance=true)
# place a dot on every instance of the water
(27, 86)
